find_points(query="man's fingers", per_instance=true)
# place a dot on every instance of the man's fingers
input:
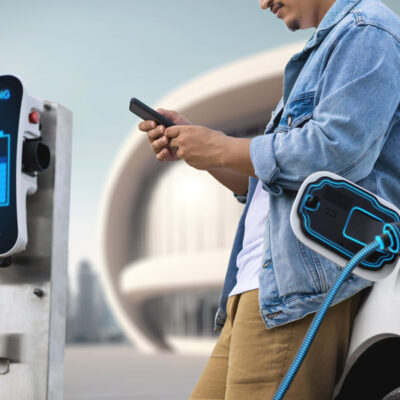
(159, 144)
(164, 155)
(154, 134)
(172, 132)
(147, 125)
(173, 143)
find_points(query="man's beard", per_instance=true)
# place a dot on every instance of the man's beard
(294, 25)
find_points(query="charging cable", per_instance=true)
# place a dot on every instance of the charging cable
(389, 240)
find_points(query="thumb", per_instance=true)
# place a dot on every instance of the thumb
(174, 116)
(170, 114)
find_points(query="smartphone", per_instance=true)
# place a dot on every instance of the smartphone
(148, 114)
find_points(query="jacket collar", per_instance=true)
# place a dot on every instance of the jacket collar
(335, 14)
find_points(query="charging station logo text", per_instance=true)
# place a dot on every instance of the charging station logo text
(5, 94)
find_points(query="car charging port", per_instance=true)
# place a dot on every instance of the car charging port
(36, 156)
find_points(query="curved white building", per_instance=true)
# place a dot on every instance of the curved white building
(166, 228)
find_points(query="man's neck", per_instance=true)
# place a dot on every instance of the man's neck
(325, 5)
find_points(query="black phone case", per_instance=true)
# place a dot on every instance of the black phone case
(148, 114)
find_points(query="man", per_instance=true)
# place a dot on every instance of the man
(339, 112)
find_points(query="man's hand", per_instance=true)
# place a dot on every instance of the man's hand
(207, 149)
(226, 159)
(200, 147)
(155, 134)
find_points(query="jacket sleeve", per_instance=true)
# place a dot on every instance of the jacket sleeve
(357, 97)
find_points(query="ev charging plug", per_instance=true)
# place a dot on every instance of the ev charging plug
(337, 218)
(389, 240)
(350, 226)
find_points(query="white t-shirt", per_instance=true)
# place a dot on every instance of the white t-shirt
(250, 257)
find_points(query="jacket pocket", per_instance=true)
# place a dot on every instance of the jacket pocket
(275, 115)
(297, 112)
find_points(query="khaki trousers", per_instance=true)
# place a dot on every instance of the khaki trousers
(249, 360)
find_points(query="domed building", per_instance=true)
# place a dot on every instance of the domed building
(167, 229)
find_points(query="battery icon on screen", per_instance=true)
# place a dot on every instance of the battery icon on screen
(4, 169)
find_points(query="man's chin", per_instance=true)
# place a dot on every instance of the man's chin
(293, 24)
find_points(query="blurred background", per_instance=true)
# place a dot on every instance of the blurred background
(149, 242)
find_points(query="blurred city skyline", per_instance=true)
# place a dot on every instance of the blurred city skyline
(89, 318)
(93, 56)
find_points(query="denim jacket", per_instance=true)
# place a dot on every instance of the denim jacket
(339, 112)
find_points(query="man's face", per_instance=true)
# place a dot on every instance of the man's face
(297, 14)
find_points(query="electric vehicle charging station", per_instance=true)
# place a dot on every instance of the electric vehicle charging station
(359, 231)
(35, 165)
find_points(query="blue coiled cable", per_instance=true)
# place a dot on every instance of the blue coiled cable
(284, 386)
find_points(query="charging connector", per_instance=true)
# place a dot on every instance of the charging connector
(320, 315)
(337, 218)
(389, 240)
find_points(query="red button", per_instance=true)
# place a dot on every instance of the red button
(34, 117)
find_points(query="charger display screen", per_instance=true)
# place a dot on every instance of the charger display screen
(4, 169)
(362, 226)
(11, 92)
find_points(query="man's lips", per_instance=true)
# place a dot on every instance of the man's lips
(273, 5)
(275, 8)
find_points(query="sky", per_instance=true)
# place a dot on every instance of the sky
(92, 56)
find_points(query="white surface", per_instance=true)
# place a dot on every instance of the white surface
(167, 274)
(193, 346)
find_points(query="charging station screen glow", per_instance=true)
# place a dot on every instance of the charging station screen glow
(11, 92)
(4, 169)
